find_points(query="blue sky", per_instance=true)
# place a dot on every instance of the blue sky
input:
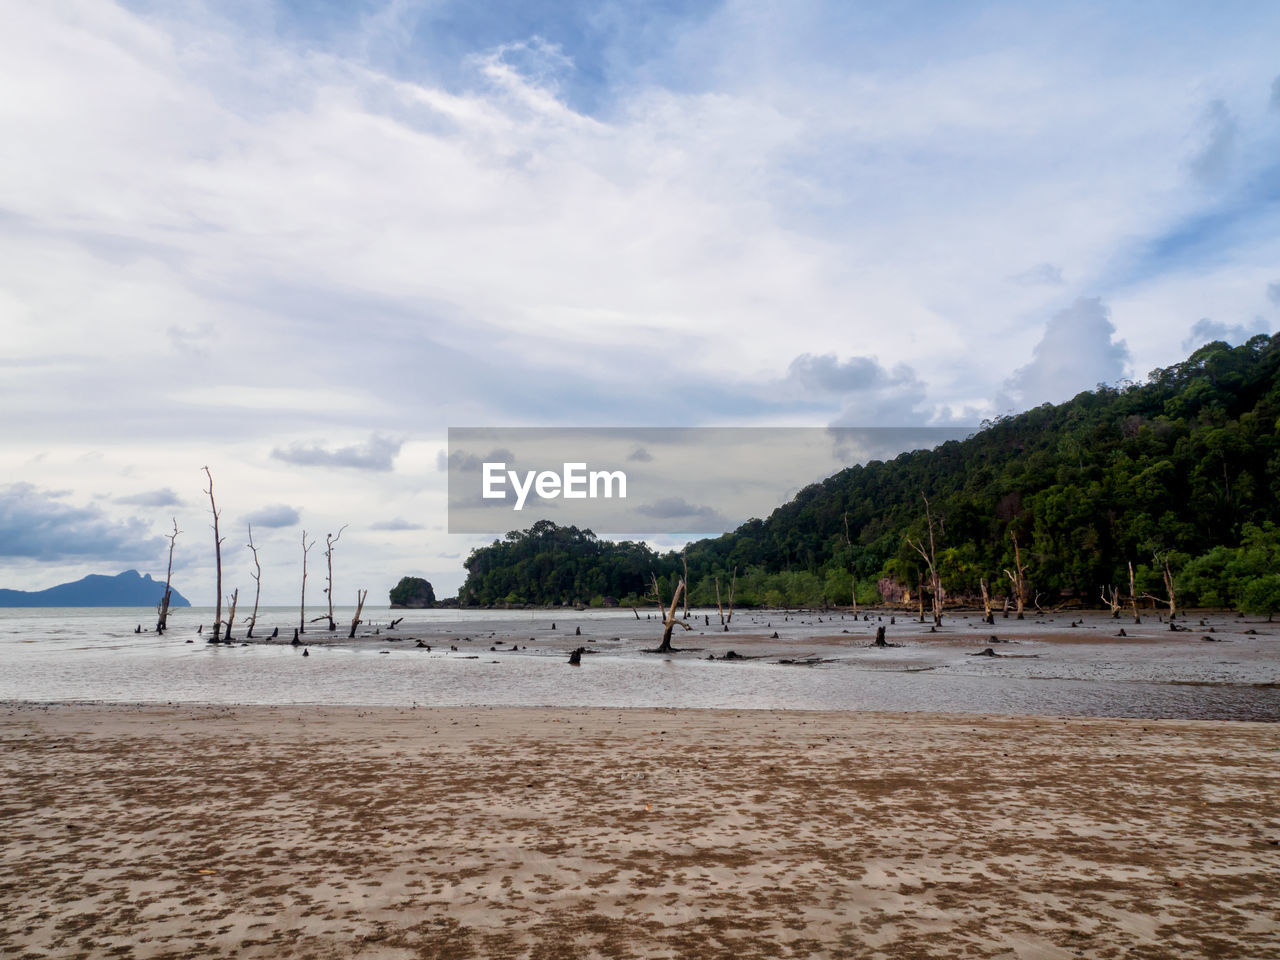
(233, 229)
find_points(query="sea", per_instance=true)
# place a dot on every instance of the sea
(1220, 668)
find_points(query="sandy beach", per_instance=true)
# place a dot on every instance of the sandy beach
(542, 833)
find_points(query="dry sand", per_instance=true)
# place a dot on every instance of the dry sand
(546, 833)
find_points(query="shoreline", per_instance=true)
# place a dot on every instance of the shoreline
(158, 831)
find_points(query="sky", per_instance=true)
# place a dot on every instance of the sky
(296, 242)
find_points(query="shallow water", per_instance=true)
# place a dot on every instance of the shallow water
(1045, 666)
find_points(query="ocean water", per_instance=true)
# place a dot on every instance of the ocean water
(519, 658)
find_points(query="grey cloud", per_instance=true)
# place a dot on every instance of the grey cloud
(37, 525)
(1213, 161)
(871, 393)
(1275, 94)
(1206, 331)
(377, 454)
(396, 524)
(640, 455)
(151, 498)
(467, 462)
(677, 508)
(275, 515)
(1042, 274)
(1076, 352)
(1273, 293)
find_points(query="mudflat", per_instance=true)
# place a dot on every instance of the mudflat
(188, 831)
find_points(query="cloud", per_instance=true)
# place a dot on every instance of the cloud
(274, 516)
(464, 461)
(1042, 274)
(870, 393)
(640, 455)
(1213, 161)
(37, 525)
(691, 516)
(396, 524)
(151, 498)
(1206, 331)
(1077, 351)
(378, 454)
(1273, 293)
(1275, 94)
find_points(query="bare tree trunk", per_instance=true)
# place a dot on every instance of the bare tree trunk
(257, 581)
(1017, 576)
(329, 541)
(669, 621)
(1167, 576)
(853, 573)
(931, 561)
(684, 559)
(733, 586)
(217, 556)
(1133, 594)
(719, 607)
(355, 621)
(231, 615)
(1111, 597)
(302, 616)
(162, 623)
(988, 616)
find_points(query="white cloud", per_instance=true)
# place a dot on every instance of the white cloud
(1077, 351)
(216, 242)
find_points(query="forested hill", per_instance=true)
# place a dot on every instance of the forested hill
(1181, 464)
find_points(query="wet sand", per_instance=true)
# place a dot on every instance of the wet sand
(546, 833)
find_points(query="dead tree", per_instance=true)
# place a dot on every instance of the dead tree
(302, 616)
(1017, 576)
(930, 558)
(329, 541)
(733, 586)
(217, 556)
(1133, 594)
(684, 559)
(231, 614)
(162, 622)
(356, 621)
(853, 572)
(669, 621)
(719, 606)
(988, 616)
(1110, 595)
(1167, 575)
(257, 584)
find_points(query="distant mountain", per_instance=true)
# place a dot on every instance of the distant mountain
(128, 589)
